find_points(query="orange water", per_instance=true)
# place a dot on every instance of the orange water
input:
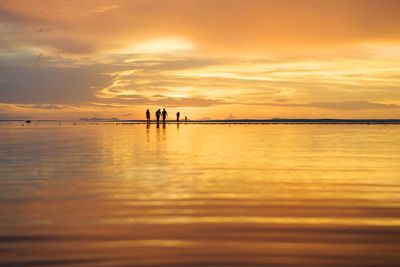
(199, 195)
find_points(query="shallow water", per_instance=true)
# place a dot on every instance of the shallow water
(199, 195)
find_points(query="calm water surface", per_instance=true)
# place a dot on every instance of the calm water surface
(199, 195)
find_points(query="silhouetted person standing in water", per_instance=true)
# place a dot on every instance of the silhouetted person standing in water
(158, 114)
(148, 116)
(164, 115)
(177, 116)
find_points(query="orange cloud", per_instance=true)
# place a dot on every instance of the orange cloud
(215, 25)
(295, 58)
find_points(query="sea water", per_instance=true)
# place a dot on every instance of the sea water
(119, 194)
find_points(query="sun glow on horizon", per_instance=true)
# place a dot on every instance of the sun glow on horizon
(160, 46)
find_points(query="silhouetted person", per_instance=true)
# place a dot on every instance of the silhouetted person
(158, 114)
(185, 118)
(164, 115)
(148, 116)
(177, 116)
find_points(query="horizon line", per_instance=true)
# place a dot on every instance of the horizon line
(227, 121)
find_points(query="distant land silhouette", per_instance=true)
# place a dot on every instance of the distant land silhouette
(282, 121)
(94, 119)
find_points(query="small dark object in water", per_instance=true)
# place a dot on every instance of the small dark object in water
(28, 121)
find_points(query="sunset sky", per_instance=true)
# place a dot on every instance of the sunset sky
(206, 58)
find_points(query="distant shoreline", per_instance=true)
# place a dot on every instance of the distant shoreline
(279, 121)
(243, 121)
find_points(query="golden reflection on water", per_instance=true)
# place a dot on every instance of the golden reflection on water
(199, 195)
